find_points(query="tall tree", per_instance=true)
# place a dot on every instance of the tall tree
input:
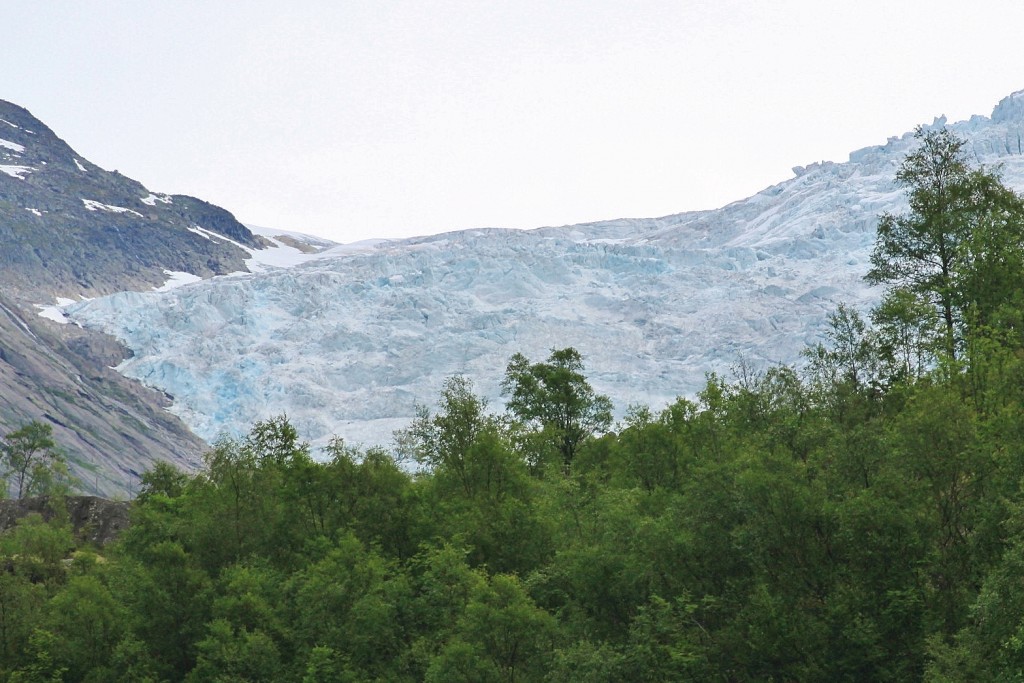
(989, 287)
(920, 251)
(443, 441)
(962, 230)
(556, 398)
(31, 457)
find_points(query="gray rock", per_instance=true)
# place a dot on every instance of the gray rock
(96, 521)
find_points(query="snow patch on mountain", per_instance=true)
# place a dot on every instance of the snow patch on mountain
(308, 243)
(16, 171)
(93, 205)
(56, 312)
(177, 278)
(279, 253)
(152, 199)
(7, 144)
(346, 341)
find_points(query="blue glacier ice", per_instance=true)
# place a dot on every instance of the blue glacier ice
(348, 343)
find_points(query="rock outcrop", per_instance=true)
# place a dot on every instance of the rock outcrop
(96, 521)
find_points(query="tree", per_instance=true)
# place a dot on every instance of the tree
(31, 455)
(556, 398)
(920, 251)
(989, 288)
(443, 441)
(163, 479)
(245, 499)
(21, 606)
(905, 325)
(351, 602)
(41, 667)
(276, 441)
(229, 654)
(851, 357)
(960, 246)
(88, 623)
(502, 636)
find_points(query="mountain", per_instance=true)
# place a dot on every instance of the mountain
(348, 342)
(69, 229)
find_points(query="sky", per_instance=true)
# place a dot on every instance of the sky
(356, 119)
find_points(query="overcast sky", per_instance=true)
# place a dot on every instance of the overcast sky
(353, 119)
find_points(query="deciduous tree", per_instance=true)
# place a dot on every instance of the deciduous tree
(557, 399)
(960, 247)
(32, 458)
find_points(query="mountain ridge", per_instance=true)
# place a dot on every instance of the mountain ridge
(72, 228)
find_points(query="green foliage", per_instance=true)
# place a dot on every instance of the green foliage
(32, 460)
(88, 623)
(500, 636)
(851, 359)
(906, 325)
(21, 606)
(164, 480)
(442, 441)
(35, 549)
(960, 249)
(230, 654)
(859, 526)
(40, 666)
(556, 399)
(168, 598)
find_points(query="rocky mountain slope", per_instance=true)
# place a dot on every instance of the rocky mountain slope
(71, 229)
(349, 344)
(110, 427)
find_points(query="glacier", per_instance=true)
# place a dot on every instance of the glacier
(348, 341)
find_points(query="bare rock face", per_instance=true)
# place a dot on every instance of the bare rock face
(96, 521)
(111, 428)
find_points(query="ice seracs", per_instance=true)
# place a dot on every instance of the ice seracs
(349, 339)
